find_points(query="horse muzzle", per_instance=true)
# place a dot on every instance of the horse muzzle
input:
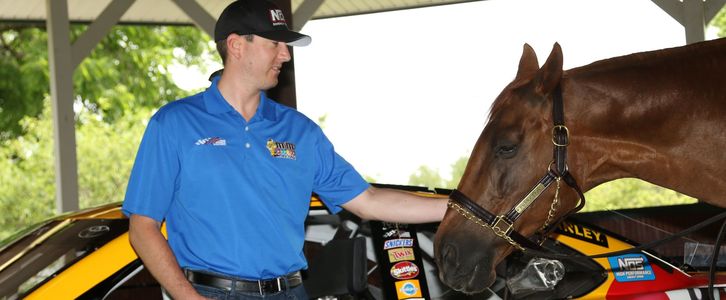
(464, 266)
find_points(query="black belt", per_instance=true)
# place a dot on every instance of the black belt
(268, 286)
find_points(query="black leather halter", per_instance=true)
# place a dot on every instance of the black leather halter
(502, 225)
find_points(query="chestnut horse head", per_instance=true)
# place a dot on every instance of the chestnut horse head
(658, 116)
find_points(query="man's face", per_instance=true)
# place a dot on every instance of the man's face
(262, 61)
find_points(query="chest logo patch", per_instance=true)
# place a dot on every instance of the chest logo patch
(281, 149)
(215, 141)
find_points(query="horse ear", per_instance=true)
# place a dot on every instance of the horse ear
(549, 76)
(528, 64)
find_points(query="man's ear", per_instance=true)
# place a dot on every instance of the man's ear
(234, 45)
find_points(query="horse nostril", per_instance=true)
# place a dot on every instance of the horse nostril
(450, 255)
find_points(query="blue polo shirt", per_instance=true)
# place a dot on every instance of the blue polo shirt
(235, 194)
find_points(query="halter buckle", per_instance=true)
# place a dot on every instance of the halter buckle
(498, 228)
(566, 136)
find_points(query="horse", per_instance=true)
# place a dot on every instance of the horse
(659, 116)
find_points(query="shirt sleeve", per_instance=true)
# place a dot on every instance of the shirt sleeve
(336, 181)
(153, 178)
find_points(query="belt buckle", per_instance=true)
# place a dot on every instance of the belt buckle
(263, 286)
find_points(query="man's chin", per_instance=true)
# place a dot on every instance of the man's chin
(270, 84)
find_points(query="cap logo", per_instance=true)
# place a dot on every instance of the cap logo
(277, 17)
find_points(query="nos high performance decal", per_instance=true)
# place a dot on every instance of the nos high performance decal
(631, 267)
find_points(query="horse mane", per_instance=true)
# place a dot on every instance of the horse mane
(679, 55)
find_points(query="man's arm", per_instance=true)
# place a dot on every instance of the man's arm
(146, 238)
(397, 206)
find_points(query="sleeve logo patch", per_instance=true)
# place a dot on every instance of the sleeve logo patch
(281, 149)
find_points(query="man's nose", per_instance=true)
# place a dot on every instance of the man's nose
(284, 53)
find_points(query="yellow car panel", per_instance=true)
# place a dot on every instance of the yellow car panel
(85, 274)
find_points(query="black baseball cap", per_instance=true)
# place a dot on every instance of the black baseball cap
(258, 17)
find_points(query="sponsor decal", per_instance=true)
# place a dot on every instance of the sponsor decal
(93, 231)
(397, 243)
(399, 254)
(390, 233)
(390, 225)
(408, 289)
(395, 232)
(281, 149)
(277, 17)
(214, 141)
(404, 270)
(631, 267)
(583, 233)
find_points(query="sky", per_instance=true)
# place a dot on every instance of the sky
(413, 87)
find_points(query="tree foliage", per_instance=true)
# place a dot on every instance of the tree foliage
(719, 21)
(127, 70)
(428, 177)
(616, 194)
(631, 193)
(105, 157)
(27, 187)
(116, 89)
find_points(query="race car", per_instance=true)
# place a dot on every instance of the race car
(86, 255)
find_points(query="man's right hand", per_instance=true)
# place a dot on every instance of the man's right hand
(151, 246)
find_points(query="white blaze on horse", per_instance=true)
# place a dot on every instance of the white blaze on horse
(659, 116)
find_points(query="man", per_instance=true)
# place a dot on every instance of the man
(231, 172)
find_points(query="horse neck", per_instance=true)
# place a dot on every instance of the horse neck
(649, 116)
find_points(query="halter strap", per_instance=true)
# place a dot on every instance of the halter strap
(560, 133)
(491, 221)
(561, 139)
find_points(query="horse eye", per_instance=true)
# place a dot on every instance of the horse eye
(506, 151)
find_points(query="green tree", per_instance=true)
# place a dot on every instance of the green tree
(127, 70)
(369, 178)
(719, 21)
(428, 177)
(26, 177)
(105, 158)
(117, 87)
(106, 154)
(616, 194)
(322, 119)
(631, 193)
(457, 170)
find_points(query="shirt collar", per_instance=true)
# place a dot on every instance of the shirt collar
(216, 104)
(267, 107)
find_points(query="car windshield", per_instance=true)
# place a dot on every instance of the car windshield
(644, 225)
(37, 256)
